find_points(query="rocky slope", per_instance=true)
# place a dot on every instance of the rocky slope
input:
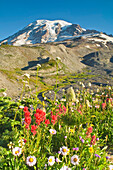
(76, 55)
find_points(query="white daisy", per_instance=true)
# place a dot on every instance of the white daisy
(75, 160)
(65, 168)
(31, 160)
(64, 150)
(16, 151)
(52, 131)
(51, 160)
(110, 167)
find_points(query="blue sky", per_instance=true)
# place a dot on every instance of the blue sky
(16, 14)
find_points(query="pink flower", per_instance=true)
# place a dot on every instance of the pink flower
(103, 105)
(52, 131)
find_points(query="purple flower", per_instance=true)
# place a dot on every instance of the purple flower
(75, 149)
(84, 168)
(107, 157)
(97, 139)
(97, 156)
(80, 137)
(59, 152)
(82, 140)
(65, 137)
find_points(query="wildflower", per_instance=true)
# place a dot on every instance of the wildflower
(26, 113)
(103, 105)
(65, 137)
(64, 150)
(33, 129)
(109, 87)
(63, 100)
(40, 116)
(51, 160)
(79, 111)
(10, 145)
(97, 106)
(59, 152)
(71, 130)
(45, 98)
(97, 156)
(65, 168)
(80, 137)
(107, 157)
(98, 90)
(17, 151)
(31, 107)
(25, 108)
(52, 131)
(82, 140)
(31, 160)
(27, 75)
(97, 139)
(21, 142)
(89, 131)
(38, 65)
(21, 107)
(75, 149)
(54, 119)
(110, 167)
(91, 149)
(93, 140)
(47, 122)
(27, 120)
(89, 84)
(70, 94)
(58, 160)
(75, 160)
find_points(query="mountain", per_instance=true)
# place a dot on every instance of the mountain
(44, 31)
(41, 42)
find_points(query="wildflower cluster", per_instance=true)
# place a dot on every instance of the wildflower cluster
(70, 134)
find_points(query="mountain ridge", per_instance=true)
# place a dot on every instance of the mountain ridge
(44, 31)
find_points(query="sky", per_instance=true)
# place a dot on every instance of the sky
(89, 14)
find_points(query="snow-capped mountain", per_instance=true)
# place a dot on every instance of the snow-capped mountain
(43, 31)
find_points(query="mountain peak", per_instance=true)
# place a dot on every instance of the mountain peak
(44, 31)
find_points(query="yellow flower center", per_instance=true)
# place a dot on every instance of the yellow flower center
(71, 130)
(90, 150)
(30, 159)
(75, 159)
(16, 152)
(52, 131)
(50, 160)
(64, 150)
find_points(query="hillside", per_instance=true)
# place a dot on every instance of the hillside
(76, 55)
